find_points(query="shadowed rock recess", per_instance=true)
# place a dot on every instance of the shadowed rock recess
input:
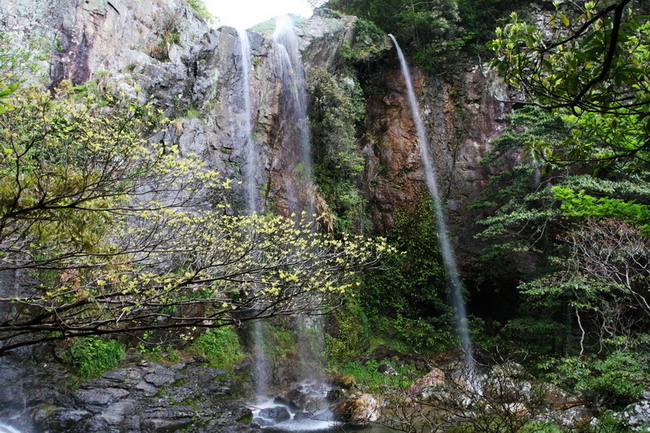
(161, 51)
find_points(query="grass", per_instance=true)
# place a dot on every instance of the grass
(94, 356)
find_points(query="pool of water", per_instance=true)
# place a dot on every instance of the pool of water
(339, 429)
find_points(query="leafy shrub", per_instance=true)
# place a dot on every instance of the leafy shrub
(369, 377)
(406, 298)
(351, 332)
(613, 381)
(201, 9)
(336, 107)
(368, 40)
(93, 356)
(220, 346)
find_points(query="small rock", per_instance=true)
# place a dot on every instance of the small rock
(574, 416)
(424, 387)
(276, 413)
(334, 395)
(518, 409)
(295, 399)
(302, 416)
(262, 422)
(637, 415)
(160, 378)
(387, 369)
(64, 420)
(344, 381)
(96, 399)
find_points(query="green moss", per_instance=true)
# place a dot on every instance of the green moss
(193, 113)
(179, 383)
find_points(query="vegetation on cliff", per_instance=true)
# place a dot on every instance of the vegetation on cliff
(113, 232)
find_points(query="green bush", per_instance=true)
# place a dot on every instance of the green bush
(613, 381)
(406, 298)
(220, 346)
(93, 356)
(368, 40)
(351, 332)
(336, 107)
(369, 377)
(201, 9)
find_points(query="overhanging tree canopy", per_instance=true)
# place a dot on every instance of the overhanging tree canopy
(117, 233)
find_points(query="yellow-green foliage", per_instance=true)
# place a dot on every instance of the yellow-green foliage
(120, 224)
(201, 9)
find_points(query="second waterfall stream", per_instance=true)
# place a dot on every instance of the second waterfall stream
(448, 255)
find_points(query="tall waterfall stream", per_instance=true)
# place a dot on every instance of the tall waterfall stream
(448, 256)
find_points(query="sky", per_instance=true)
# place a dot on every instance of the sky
(247, 13)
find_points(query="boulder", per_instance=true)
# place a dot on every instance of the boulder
(387, 369)
(295, 399)
(423, 388)
(362, 410)
(276, 414)
(637, 415)
(343, 381)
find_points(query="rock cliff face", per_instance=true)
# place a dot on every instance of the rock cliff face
(461, 119)
(159, 50)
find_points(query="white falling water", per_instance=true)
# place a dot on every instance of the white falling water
(295, 110)
(5, 428)
(251, 169)
(448, 256)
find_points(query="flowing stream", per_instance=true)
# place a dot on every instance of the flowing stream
(448, 256)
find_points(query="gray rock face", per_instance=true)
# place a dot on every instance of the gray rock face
(148, 397)
(101, 35)
(201, 74)
(637, 415)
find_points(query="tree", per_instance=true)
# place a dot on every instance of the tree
(605, 273)
(114, 233)
(593, 69)
(429, 30)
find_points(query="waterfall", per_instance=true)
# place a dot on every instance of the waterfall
(252, 165)
(4, 428)
(448, 255)
(251, 168)
(295, 112)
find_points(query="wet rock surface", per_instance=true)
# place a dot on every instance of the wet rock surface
(144, 397)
